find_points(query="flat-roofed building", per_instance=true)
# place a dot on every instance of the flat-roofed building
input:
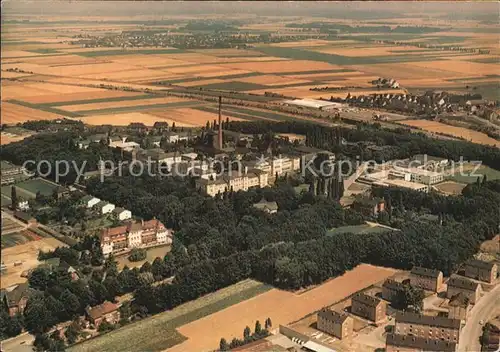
(459, 307)
(427, 327)
(414, 186)
(425, 176)
(405, 343)
(481, 270)
(390, 289)
(368, 307)
(428, 279)
(457, 284)
(338, 324)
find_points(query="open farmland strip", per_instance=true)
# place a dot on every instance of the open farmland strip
(140, 107)
(234, 86)
(129, 52)
(158, 332)
(45, 108)
(103, 100)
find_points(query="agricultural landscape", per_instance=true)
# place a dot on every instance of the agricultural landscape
(102, 259)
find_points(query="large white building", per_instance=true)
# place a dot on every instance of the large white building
(419, 187)
(134, 235)
(424, 176)
(235, 181)
(315, 103)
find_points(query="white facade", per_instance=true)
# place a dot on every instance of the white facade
(170, 160)
(91, 202)
(134, 238)
(107, 208)
(123, 214)
(163, 237)
(314, 103)
(107, 248)
(23, 205)
(425, 176)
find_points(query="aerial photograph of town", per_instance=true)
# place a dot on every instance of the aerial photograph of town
(263, 176)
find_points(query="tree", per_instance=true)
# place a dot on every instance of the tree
(246, 334)
(13, 198)
(37, 318)
(71, 303)
(268, 323)
(39, 279)
(105, 326)
(223, 346)
(258, 328)
(409, 296)
(73, 332)
(111, 266)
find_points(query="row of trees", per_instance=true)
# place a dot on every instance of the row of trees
(248, 336)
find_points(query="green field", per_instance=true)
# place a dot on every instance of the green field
(491, 174)
(6, 192)
(158, 332)
(234, 86)
(357, 230)
(44, 107)
(46, 188)
(43, 51)
(129, 52)
(102, 100)
(14, 239)
(180, 104)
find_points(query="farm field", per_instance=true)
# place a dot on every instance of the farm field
(27, 253)
(441, 128)
(159, 332)
(281, 306)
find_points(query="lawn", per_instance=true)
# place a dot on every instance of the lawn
(7, 190)
(469, 176)
(357, 230)
(45, 187)
(158, 332)
(152, 254)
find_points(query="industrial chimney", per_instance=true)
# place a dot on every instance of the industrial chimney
(219, 134)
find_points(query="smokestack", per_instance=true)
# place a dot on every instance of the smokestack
(219, 135)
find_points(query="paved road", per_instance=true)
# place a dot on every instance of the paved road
(487, 307)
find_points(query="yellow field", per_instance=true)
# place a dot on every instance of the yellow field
(437, 127)
(117, 104)
(281, 306)
(13, 114)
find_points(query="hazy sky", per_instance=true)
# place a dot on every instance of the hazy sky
(325, 9)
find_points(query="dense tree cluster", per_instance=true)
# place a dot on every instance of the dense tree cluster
(248, 336)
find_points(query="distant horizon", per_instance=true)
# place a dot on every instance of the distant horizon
(349, 10)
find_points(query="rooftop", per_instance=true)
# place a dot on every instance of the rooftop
(420, 271)
(480, 264)
(420, 343)
(436, 321)
(393, 284)
(401, 184)
(459, 300)
(13, 297)
(462, 283)
(366, 299)
(102, 309)
(336, 317)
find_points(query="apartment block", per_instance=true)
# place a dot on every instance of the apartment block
(368, 307)
(457, 284)
(427, 279)
(338, 324)
(427, 327)
(480, 270)
(406, 343)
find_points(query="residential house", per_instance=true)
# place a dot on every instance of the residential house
(369, 206)
(15, 300)
(121, 214)
(104, 207)
(391, 288)
(23, 205)
(459, 307)
(457, 284)
(89, 201)
(83, 143)
(121, 143)
(481, 270)
(428, 279)
(268, 207)
(338, 324)
(107, 311)
(368, 307)
(427, 327)
(408, 343)
(114, 239)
